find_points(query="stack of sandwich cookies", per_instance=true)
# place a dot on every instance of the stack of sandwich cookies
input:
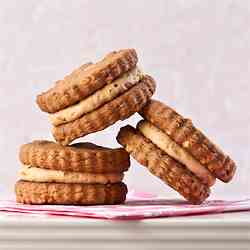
(96, 96)
(177, 152)
(81, 174)
(92, 98)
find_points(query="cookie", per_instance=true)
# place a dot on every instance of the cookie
(79, 157)
(165, 143)
(119, 108)
(75, 72)
(185, 134)
(85, 81)
(70, 194)
(163, 166)
(29, 173)
(97, 99)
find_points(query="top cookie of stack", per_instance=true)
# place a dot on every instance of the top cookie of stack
(95, 96)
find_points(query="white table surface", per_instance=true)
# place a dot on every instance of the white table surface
(217, 231)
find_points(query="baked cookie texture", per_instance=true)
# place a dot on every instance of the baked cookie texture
(184, 133)
(95, 96)
(80, 174)
(176, 152)
(119, 108)
(166, 144)
(79, 157)
(70, 194)
(84, 81)
(89, 99)
(163, 166)
(97, 99)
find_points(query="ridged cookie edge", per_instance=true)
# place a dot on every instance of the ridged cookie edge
(184, 133)
(83, 82)
(119, 108)
(50, 155)
(70, 194)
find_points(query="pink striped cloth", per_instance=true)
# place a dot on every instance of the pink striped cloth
(138, 206)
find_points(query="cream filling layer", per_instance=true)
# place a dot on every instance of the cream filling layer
(105, 94)
(165, 143)
(29, 173)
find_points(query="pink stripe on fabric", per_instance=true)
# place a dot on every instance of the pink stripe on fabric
(139, 205)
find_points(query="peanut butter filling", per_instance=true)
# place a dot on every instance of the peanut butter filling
(100, 97)
(29, 173)
(165, 143)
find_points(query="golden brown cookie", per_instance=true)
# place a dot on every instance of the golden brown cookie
(171, 148)
(163, 166)
(119, 108)
(97, 99)
(84, 81)
(79, 157)
(183, 132)
(75, 73)
(70, 194)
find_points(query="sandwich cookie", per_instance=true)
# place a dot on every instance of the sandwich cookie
(175, 151)
(186, 135)
(84, 174)
(96, 96)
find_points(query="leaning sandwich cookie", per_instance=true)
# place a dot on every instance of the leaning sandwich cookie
(162, 165)
(96, 96)
(186, 135)
(175, 151)
(81, 174)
